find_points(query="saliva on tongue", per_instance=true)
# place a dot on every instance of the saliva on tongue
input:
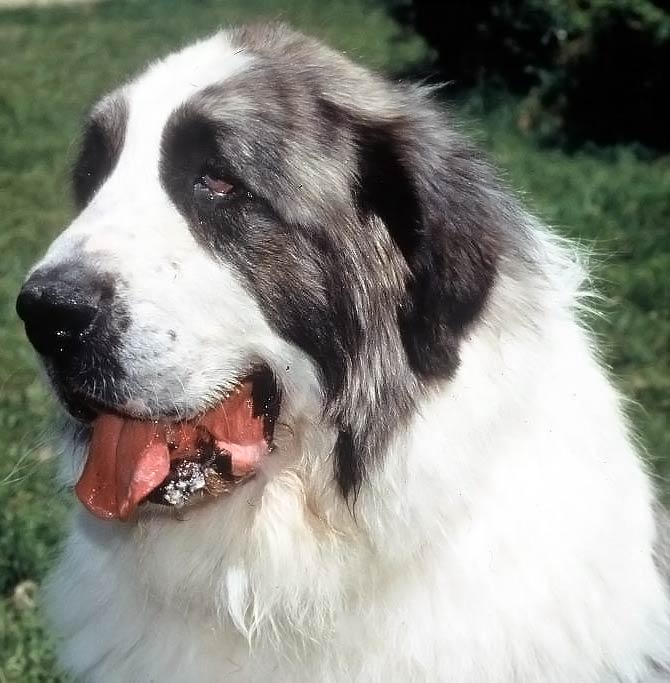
(129, 458)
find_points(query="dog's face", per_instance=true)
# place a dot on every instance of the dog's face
(257, 206)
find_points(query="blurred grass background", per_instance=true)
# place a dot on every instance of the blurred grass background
(55, 62)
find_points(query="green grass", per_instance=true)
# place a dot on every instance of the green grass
(55, 63)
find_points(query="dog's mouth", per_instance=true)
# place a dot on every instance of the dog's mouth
(132, 461)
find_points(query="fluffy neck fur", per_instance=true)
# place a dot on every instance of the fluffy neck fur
(502, 538)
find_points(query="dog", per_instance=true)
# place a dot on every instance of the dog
(330, 409)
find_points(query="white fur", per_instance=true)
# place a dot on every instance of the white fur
(506, 535)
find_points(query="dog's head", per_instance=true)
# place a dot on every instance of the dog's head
(258, 211)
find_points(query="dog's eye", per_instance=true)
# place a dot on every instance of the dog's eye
(209, 188)
(217, 186)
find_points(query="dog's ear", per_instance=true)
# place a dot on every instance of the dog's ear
(437, 199)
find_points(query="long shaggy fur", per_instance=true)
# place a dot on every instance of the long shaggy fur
(454, 495)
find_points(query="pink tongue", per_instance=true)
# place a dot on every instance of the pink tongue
(128, 458)
(126, 461)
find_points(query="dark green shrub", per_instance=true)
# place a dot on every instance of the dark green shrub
(477, 41)
(612, 83)
(591, 70)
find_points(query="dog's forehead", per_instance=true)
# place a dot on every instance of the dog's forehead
(153, 96)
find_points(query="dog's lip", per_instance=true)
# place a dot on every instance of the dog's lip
(85, 407)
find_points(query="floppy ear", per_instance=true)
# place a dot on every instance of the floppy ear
(437, 199)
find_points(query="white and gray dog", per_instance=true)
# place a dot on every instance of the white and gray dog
(332, 413)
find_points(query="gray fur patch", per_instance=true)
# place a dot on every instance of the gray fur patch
(102, 140)
(368, 230)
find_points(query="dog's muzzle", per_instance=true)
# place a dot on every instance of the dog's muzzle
(76, 322)
(63, 309)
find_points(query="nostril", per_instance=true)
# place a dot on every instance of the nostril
(55, 317)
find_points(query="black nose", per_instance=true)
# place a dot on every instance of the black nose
(59, 310)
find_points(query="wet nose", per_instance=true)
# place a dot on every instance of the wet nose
(59, 310)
